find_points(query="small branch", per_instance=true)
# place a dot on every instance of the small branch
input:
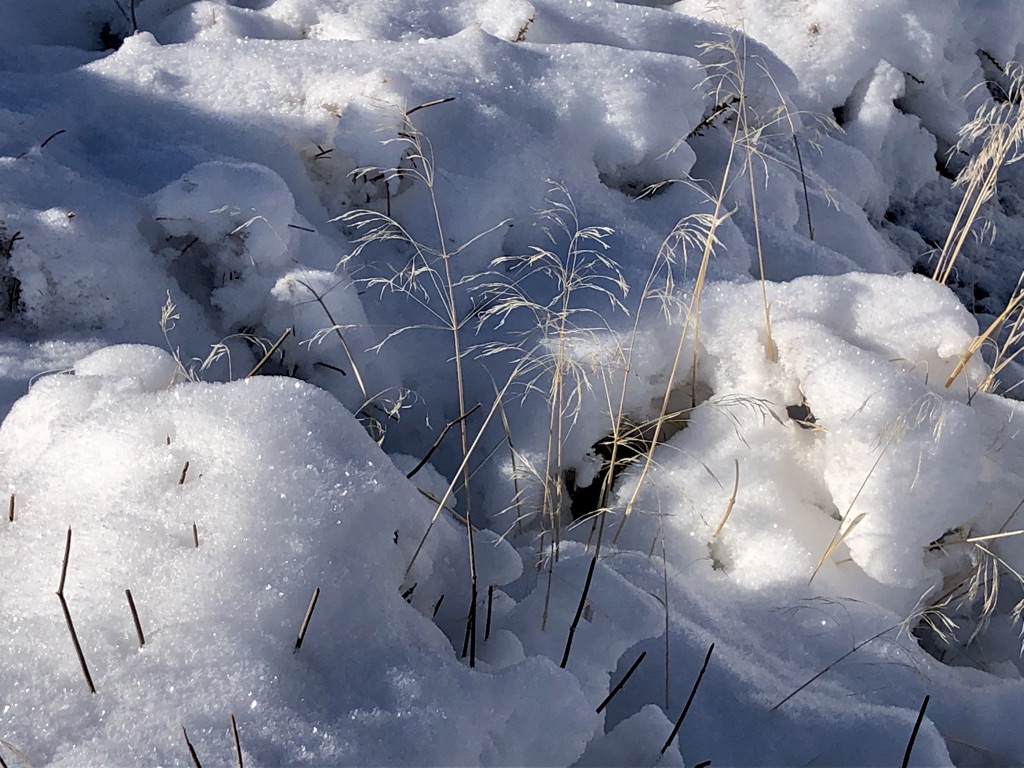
(731, 504)
(52, 136)
(490, 601)
(621, 683)
(67, 613)
(441, 437)
(437, 606)
(270, 353)
(846, 655)
(689, 701)
(135, 618)
(803, 178)
(191, 750)
(331, 367)
(913, 734)
(306, 618)
(191, 242)
(195, 535)
(10, 509)
(75, 642)
(341, 338)
(64, 564)
(433, 103)
(301, 229)
(238, 745)
(184, 471)
(579, 607)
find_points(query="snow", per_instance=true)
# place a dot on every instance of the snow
(345, 298)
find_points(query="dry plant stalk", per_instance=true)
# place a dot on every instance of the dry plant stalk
(1008, 351)
(305, 620)
(999, 125)
(430, 279)
(67, 615)
(731, 504)
(135, 618)
(191, 750)
(236, 742)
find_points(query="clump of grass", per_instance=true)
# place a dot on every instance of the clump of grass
(561, 325)
(1011, 319)
(999, 128)
(429, 278)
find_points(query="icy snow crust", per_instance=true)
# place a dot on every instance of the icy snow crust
(169, 209)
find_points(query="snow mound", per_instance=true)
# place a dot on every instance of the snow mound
(287, 494)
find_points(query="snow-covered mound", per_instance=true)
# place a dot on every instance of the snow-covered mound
(546, 343)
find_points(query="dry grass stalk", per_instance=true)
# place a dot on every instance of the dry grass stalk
(619, 685)
(237, 743)
(191, 750)
(999, 125)
(305, 620)
(67, 615)
(689, 700)
(913, 733)
(78, 645)
(1008, 351)
(430, 279)
(135, 618)
(731, 504)
(270, 353)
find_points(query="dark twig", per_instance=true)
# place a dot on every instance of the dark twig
(331, 367)
(10, 509)
(621, 683)
(433, 103)
(469, 640)
(238, 745)
(689, 701)
(437, 606)
(803, 178)
(191, 242)
(184, 471)
(849, 653)
(52, 136)
(490, 602)
(76, 643)
(191, 749)
(64, 563)
(584, 594)
(913, 734)
(195, 535)
(2, 763)
(67, 614)
(306, 618)
(301, 229)
(341, 338)
(441, 437)
(270, 353)
(135, 617)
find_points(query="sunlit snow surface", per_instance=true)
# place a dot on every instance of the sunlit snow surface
(169, 207)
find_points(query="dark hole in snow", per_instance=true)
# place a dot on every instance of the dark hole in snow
(802, 415)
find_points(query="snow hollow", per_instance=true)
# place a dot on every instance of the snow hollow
(511, 382)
